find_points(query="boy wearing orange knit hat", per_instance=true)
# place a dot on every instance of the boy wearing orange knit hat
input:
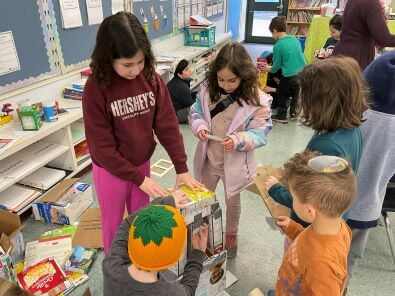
(148, 242)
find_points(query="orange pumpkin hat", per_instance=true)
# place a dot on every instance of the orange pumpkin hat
(157, 238)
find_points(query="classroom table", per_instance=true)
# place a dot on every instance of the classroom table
(319, 32)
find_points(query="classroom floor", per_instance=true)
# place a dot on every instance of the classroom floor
(261, 249)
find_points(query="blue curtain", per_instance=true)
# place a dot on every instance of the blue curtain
(233, 19)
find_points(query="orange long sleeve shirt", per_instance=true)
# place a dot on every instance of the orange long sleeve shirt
(314, 264)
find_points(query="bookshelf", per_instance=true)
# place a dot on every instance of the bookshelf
(300, 13)
(52, 145)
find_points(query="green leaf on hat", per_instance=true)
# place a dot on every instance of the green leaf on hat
(154, 223)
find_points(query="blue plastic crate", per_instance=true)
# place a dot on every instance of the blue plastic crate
(199, 37)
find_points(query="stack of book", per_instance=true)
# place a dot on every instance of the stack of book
(82, 152)
(75, 90)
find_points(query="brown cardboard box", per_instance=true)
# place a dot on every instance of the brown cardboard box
(89, 230)
(274, 208)
(50, 208)
(11, 235)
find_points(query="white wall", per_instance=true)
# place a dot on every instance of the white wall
(51, 88)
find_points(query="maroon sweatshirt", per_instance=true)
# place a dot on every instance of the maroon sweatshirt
(363, 26)
(120, 122)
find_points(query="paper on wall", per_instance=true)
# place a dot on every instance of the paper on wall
(117, 6)
(95, 11)
(215, 8)
(9, 61)
(180, 17)
(209, 10)
(220, 7)
(70, 14)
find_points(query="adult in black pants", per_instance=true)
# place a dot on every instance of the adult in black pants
(179, 88)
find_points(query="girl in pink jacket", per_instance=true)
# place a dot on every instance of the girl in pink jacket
(231, 118)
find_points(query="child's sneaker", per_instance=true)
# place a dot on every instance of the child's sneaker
(292, 113)
(279, 119)
(231, 245)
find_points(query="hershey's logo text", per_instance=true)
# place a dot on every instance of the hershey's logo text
(133, 106)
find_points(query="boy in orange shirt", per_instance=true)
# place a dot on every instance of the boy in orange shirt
(323, 187)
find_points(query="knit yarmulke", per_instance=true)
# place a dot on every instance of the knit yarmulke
(157, 238)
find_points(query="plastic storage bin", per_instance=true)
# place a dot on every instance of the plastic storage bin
(202, 37)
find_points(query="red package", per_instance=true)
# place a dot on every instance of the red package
(44, 277)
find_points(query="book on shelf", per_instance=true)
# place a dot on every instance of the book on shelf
(300, 4)
(44, 178)
(7, 143)
(16, 197)
(15, 167)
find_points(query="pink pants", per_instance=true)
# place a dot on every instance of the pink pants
(114, 194)
(210, 178)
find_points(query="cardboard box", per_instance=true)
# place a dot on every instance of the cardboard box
(213, 277)
(11, 237)
(215, 242)
(200, 204)
(274, 208)
(178, 268)
(89, 230)
(64, 203)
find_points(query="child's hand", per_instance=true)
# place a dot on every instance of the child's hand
(228, 144)
(202, 135)
(269, 182)
(268, 89)
(180, 199)
(152, 188)
(283, 222)
(186, 178)
(199, 240)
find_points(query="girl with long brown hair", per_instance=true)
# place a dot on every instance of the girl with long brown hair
(231, 118)
(125, 103)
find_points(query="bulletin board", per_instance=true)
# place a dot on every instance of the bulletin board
(155, 16)
(25, 22)
(39, 47)
(75, 45)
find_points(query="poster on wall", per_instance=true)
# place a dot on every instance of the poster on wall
(215, 10)
(155, 16)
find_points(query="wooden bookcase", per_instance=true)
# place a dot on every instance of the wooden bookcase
(300, 13)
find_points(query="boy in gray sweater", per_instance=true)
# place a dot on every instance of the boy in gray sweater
(148, 242)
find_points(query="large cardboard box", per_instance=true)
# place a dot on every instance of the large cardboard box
(89, 230)
(274, 208)
(200, 203)
(11, 237)
(65, 203)
(212, 280)
(215, 242)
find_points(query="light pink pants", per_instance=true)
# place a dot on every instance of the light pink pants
(210, 178)
(114, 194)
